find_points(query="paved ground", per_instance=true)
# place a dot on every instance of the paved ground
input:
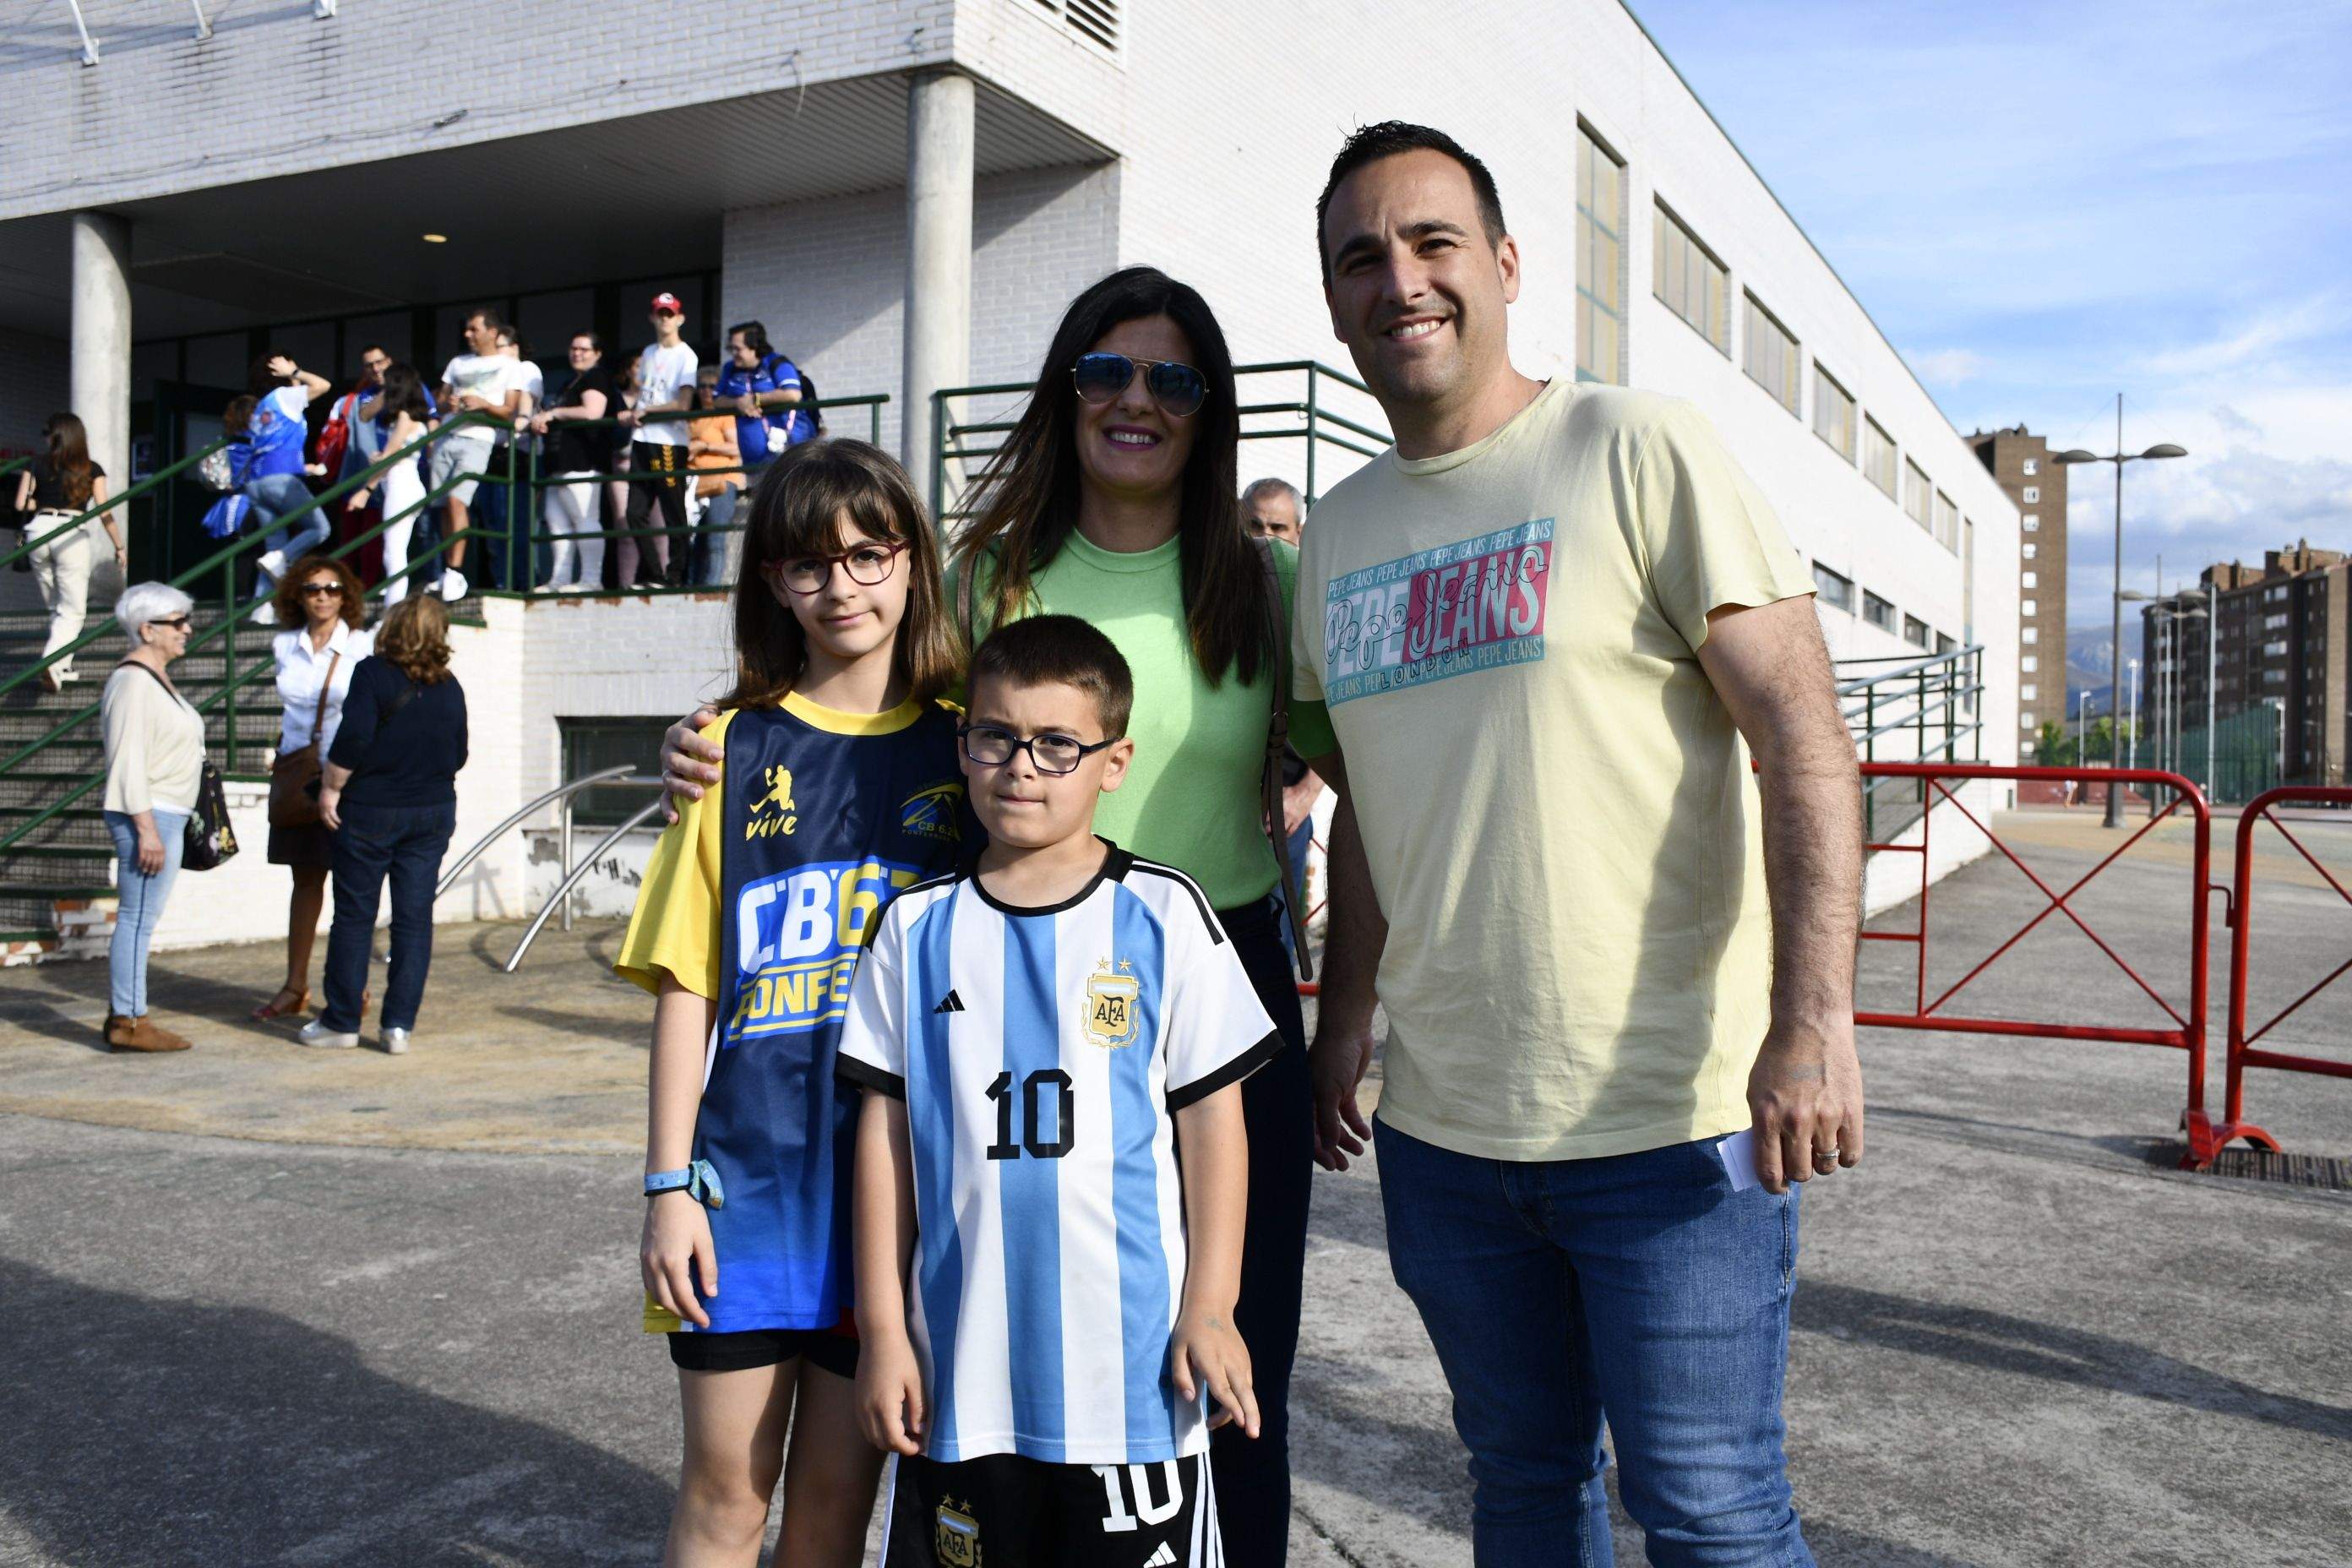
(312, 1308)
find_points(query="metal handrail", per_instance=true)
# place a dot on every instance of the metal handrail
(1905, 670)
(132, 493)
(609, 775)
(571, 878)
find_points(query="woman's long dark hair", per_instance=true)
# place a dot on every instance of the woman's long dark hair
(69, 458)
(797, 510)
(1028, 495)
(404, 392)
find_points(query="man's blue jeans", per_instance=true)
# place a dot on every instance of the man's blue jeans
(1638, 1288)
(276, 496)
(406, 841)
(139, 904)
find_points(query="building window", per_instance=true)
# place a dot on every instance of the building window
(2032, 580)
(2026, 608)
(2027, 691)
(1948, 521)
(1915, 631)
(1944, 643)
(1877, 611)
(2032, 468)
(2029, 663)
(2034, 492)
(2029, 636)
(1772, 358)
(593, 744)
(1879, 456)
(1690, 281)
(1833, 589)
(1919, 496)
(1833, 412)
(2025, 722)
(1599, 259)
(2032, 522)
(2030, 548)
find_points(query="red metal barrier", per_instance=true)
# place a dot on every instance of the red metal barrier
(2207, 1137)
(2189, 1031)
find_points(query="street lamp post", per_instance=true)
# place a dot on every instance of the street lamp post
(2115, 814)
(2135, 714)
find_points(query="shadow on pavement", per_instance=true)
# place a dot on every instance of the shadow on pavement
(1999, 1343)
(172, 1432)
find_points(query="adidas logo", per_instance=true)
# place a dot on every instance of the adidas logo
(954, 1003)
(1163, 1558)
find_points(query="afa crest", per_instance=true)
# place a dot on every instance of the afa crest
(956, 1542)
(778, 799)
(1112, 994)
(930, 812)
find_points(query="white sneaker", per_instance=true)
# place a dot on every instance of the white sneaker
(453, 585)
(395, 1042)
(271, 563)
(315, 1033)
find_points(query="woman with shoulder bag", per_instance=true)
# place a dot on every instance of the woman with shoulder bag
(390, 794)
(55, 489)
(155, 774)
(321, 604)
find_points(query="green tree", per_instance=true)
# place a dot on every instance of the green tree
(2053, 747)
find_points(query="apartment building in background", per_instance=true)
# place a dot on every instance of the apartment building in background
(2282, 638)
(907, 193)
(2020, 463)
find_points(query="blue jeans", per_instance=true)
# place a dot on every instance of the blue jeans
(1298, 849)
(406, 841)
(1638, 1289)
(276, 496)
(140, 904)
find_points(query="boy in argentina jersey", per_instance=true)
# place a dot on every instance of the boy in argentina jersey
(1038, 1031)
(759, 897)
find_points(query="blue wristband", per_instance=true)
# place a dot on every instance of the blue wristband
(697, 1180)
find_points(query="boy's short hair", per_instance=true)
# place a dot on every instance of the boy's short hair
(1045, 650)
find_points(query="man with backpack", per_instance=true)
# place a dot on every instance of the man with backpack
(767, 392)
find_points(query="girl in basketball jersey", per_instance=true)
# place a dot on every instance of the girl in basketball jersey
(842, 786)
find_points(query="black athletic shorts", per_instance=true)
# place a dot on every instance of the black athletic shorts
(742, 1351)
(1005, 1512)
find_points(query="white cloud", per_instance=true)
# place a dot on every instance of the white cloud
(1948, 367)
(2297, 325)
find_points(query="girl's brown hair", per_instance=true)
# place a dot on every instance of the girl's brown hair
(797, 510)
(415, 636)
(237, 420)
(69, 458)
(1029, 492)
(288, 600)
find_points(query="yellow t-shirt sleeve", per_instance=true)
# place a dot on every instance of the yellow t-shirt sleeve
(1710, 537)
(676, 926)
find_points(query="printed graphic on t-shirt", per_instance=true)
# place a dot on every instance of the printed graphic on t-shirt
(1454, 610)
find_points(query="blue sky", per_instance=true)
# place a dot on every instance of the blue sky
(2044, 205)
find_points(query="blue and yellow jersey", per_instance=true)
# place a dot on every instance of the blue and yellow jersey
(758, 899)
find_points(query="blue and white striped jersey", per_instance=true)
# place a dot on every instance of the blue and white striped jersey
(1041, 1053)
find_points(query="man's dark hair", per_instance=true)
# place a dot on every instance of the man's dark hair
(1046, 650)
(1388, 139)
(367, 349)
(492, 317)
(755, 336)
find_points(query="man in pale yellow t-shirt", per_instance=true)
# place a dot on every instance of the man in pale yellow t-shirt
(1550, 627)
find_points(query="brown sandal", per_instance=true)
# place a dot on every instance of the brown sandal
(278, 1007)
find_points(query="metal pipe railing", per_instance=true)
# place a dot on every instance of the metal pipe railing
(573, 875)
(130, 493)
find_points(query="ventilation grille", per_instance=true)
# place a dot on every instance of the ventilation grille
(1097, 21)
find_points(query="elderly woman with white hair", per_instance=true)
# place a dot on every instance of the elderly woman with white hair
(154, 766)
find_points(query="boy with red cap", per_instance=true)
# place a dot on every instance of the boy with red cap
(666, 373)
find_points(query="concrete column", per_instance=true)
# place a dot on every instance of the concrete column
(939, 256)
(98, 388)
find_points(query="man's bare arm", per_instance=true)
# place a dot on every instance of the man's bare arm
(1354, 935)
(1771, 669)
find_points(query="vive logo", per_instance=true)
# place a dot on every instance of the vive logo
(779, 799)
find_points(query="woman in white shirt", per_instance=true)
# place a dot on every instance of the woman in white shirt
(154, 763)
(321, 606)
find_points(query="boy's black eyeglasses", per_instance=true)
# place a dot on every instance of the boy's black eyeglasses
(991, 747)
(1179, 389)
(866, 565)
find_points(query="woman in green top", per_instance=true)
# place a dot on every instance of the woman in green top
(1114, 498)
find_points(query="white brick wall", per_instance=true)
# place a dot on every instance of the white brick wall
(828, 276)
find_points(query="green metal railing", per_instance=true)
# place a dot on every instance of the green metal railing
(966, 440)
(1908, 708)
(144, 487)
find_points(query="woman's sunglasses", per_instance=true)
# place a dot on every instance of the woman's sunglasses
(331, 590)
(1178, 389)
